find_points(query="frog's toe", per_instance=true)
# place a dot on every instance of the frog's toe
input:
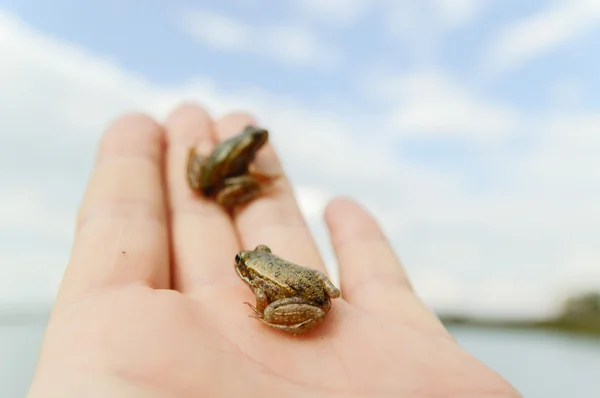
(257, 314)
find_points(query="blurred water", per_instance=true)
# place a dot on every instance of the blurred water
(538, 364)
(19, 346)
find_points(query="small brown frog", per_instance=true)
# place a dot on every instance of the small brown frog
(289, 297)
(226, 174)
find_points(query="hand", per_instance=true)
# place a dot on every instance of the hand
(150, 305)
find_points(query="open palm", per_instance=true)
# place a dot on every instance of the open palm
(150, 305)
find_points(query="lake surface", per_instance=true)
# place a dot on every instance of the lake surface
(538, 364)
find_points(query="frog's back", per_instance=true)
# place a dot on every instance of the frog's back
(218, 168)
(304, 281)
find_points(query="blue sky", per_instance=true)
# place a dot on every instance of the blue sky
(470, 127)
(147, 37)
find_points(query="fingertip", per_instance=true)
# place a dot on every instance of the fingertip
(232, 123)
(128, 119)
(341, 205)
(188, 122)
(186, 107)
(132, 134)
(349, 221)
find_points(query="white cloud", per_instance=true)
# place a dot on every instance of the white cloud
(439, 15)
(432, 104)
(422, 25)
(342, 12)
(312, 200)
(566, 159)
(30, 277)
(441, 291)
(21, 210)
(457, 12)
(541, 33)
(58, 98)
(292, 45)
(216, 30)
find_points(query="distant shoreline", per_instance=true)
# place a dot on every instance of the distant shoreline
(588, 325)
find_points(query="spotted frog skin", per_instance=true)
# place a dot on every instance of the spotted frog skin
(289, 297)
(226, 174)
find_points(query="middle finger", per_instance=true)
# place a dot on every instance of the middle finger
(274, 218)
(204, 239)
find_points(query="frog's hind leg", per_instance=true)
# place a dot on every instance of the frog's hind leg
(297, 328)
(238, 191)
(260, 176)
(292, 315)
(195, 162)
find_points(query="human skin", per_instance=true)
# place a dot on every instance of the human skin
(150, 305)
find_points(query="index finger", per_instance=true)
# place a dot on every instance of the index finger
(122, 234)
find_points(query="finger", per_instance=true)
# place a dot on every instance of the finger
(203, 238)
(371, 275)
(274, 218)
(122, 234)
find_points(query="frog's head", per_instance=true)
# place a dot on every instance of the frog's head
(243, 261)
(254, 138)
(240, 265)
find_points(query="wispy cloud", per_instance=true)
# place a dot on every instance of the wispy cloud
(457, 12)
(566, 159)
(432, 104)
(431, 14)
(339, 12)
(541, 33)
(290, 44)
(422, 25)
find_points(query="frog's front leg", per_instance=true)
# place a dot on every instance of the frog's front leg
(238, 190)
(332, 291)
(293, 315)
(195, 164)
(262, 301)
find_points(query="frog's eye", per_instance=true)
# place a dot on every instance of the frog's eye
(241, 257)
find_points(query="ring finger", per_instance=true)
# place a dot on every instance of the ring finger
(274, 218)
